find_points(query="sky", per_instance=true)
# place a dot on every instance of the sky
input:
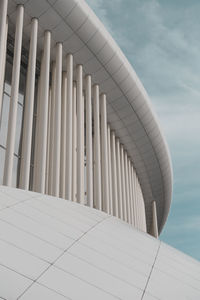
(161, 40)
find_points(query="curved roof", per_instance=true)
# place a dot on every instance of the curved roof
(129, 110)
(57, 249)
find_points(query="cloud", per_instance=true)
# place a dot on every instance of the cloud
(161, 41)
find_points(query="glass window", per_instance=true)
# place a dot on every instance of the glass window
(31, 178)
(21, 98)
(7, 88)
(2, 156)
(4, 120)
(18, 133)
(15, 171)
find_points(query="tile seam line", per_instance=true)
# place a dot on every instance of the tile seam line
(80, 217)
(70, 208)
(101, 269)
(56, 218)
(151, 271)
(74, 212)
(32, 234)
(43, 224)
(15, 204)
(115, 260)
(50, 265)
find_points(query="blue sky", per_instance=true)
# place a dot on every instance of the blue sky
(161, 39)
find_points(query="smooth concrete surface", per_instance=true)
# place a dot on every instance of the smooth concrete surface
(52, 248)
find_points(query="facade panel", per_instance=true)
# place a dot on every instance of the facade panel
(64, 129)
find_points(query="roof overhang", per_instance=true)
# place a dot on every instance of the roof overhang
(129, 110)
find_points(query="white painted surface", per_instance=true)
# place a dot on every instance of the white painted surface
(130, 115)
(52, 248)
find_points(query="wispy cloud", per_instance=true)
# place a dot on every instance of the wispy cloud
(161, 41)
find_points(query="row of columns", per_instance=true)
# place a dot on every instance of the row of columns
(63, 138)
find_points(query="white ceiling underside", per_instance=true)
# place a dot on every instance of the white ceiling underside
(129, 110)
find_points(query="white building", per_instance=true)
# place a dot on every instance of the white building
(76, 123)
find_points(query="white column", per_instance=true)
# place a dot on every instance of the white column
(133, 195)
(110, 172)
(136, 200)
(114, 175)
(8, 167)
(48, 145)
(28, 111)
(69, 127)
(57, 123)
(63, 135)
(3, 67)
(119, 179)
(127, 187)
(36, 133)
(42, 118)
(51, 137)
(104, 154)
(80, 135)
(139, 205)
(123, 184)
(144, 219)
(97, 149)
(3, 43)
(143, 216)
(74, 147)
(89, 156)
(130, 191)
(154, 220)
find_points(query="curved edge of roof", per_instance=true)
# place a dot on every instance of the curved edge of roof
(167, 177)
(139, 131)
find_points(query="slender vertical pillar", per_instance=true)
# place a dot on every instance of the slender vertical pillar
(110, 172)
(28, 111)
(68, 189)
(127, 187)
(133, 195)
(97, 149)
(136, 200)
(139, 205)
(114, 175)
(74, 147)
(143, 216)
(8, 167)
(104, 153)
(63, 135)
(80, 135)
(119, 179)
(89, 156)
(123, 184)
(130, 191)
(42, 119)
(51, 137)
(57, 123)
(48, 145)
(3, 67)
(3, 43)
(154, 220)
(36, 132)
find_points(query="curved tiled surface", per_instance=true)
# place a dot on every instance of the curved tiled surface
(57, 249)
(129, 111)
